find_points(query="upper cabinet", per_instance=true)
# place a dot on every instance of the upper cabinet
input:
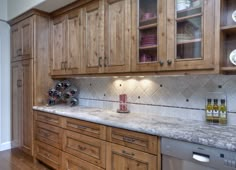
(148, 39)
(21, 40)
(190, 35)
(94, 37)
(117, 35)
(228, 35)
(66, 34)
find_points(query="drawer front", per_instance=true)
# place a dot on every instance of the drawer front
(49, 134)
(85, 147)
(73, 163)
(87, 128)
(48, 118)
(47, 154)
(139, 141)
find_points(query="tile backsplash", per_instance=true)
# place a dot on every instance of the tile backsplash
(173, 96)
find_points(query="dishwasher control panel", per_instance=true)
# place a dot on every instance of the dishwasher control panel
(202, 155)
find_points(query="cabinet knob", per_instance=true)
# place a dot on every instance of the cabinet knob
(100, 61)
(161, 63)
(66, 65)
(105, 62)
(169, 62)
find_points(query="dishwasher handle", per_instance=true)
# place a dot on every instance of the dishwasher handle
(201, 157)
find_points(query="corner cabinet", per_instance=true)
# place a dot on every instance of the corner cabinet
(190, 35)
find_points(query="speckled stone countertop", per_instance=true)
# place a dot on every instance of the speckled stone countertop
(223, 137)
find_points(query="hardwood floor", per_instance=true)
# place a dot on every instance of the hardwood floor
(16, 160)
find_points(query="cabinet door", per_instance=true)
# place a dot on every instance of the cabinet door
(27, 38)
(27, 112)
(122, 158)
(94, 36)
(190, 35)
(74, 41)
(16, 103)
(148, 35)
(16, 43)
(58, 33)
(117, 35)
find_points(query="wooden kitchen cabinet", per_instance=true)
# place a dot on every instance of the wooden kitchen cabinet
(148, 35)
(190, 35)
(29, 74)
(22, 102)
(118, 25)
(122, 158)
(21, 40)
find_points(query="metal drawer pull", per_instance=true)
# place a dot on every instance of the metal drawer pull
(81, 127)
(99, 61)
(127, 153)
(47, 155)
(81, 148)
(127, 139)
(201, 157)
(19, 83)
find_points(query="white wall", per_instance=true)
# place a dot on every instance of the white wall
(16, 7)
(5, 116)
(3, 10)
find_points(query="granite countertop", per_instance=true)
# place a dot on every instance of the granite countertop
(223, 137)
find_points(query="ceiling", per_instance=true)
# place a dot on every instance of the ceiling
(52, 5)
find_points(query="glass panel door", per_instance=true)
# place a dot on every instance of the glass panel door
(148, 37)
(189, 29)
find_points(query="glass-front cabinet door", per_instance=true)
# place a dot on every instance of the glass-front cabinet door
(190, 34)
(147, 35)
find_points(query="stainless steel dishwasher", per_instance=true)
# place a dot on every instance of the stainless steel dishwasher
(179, 155)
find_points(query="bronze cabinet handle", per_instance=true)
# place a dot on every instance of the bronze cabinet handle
(99, 61)
(19, 83)
(169, 62)
(105, 62)
(81, 127)
(65, 65)
(81, 148)
(127, 153)
(127, 139)
(161, 63)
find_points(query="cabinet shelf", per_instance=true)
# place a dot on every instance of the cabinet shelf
(189, 9)
(148, 26)
(147, 21)
(228, 68)
(189, 41)
(148, 47)
(229, 28)
(188, 17)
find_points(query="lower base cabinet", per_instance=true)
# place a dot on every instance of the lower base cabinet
(62, 147)
(123, 158)
(73, 163)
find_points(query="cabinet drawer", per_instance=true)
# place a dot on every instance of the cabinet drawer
(124, 158)
(47, 154)
(87, 128)
(48, 118)
(73, 163)
(85, 147)
(49, 134)
(139, 141)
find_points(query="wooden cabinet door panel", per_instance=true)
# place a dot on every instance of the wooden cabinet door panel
(84, 147)
(139, 141)
(117, 35)
(73, 163)
(27, 112)
(16, 43)
(121, 158)
(49, 134)
(16, 103)
(49, 155)
(93, 37)
(74, 41)
(58, 34)
(27, 37)
(86, 128)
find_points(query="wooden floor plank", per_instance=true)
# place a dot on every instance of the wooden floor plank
(15, 159)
